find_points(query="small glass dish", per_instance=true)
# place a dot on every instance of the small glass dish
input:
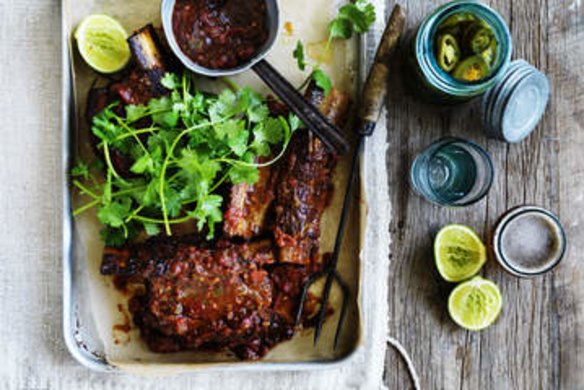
(453, 172)
(529, 241)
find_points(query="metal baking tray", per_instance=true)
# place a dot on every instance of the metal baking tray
(81, 330)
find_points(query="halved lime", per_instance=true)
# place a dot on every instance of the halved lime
(459, 253)
(475, 304)
(102, 43)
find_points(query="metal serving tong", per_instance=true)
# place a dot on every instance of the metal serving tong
(372, 100)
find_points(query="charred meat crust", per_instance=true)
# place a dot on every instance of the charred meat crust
(240, 296)
(197, 297)
(144, 81)
(305, 186)
(249, 206)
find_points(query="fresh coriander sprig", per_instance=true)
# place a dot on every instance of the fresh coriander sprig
(351, 18)
(182, 147)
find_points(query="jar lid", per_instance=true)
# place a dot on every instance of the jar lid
(529, 241)
(512, 109)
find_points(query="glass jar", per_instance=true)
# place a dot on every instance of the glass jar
(433, 84)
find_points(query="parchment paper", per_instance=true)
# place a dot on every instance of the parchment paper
(308, 19)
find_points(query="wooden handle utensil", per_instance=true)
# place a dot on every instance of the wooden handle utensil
(373, 98)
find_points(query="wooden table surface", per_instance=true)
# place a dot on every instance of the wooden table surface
(538, 342)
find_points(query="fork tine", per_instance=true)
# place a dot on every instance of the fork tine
(346, 292)
(313, 278)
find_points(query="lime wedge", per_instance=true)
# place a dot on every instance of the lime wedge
(459, 253)
(475, 304)
(102, 43)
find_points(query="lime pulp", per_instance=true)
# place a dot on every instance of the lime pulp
(459, 253)
(475, 304)
(102, 43)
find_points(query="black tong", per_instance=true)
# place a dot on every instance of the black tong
(372, 100)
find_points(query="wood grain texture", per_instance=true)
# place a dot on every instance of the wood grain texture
(538, 341)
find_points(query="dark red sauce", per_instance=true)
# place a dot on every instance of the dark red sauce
(220, 34)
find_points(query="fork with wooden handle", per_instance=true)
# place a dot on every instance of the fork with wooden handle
(372, 100)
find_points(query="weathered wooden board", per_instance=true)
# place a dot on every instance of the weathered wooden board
(538, 341)
(34, 355)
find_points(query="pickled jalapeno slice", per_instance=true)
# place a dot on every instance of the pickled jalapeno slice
(465, 47)
(471, 69)
(477, 38)
(456, 19)
(448, 52)
(490, 54)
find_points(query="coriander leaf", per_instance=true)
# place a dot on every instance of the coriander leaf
(262, 149)
(224, 128)
(298, 53)
(361, 14)
(208, 212)
(162, 139)
(222, 107)
(258, 113)
(295, 122)
(341, 28)
(198, 172)
(217, 145)
(151, 229)
(193, 113)
(81, 170)
(271, 132)
(322, 81)
(104, 128)
(354, 17)
(260, 145)
(173, 200)
(170, 81)
(235, 135)
(237, 140)
(151, 196)
(274, 130)
(239, 174)
(113, 214)
(369, 16)
(107, 190)
(143, 164)
(246, 98)
(112, 237)
(179, 107)
(163, 113)
(199, 102)
(117, 237)
(135, 112)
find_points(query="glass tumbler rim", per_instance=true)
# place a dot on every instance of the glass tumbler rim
(440, 144)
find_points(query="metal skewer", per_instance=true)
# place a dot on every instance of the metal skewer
(372, 100)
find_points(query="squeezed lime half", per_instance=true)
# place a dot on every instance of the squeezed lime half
(475, 304)
(459, 253)
(102, 43)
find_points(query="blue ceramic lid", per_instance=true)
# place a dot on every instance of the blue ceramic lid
(513, 108)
